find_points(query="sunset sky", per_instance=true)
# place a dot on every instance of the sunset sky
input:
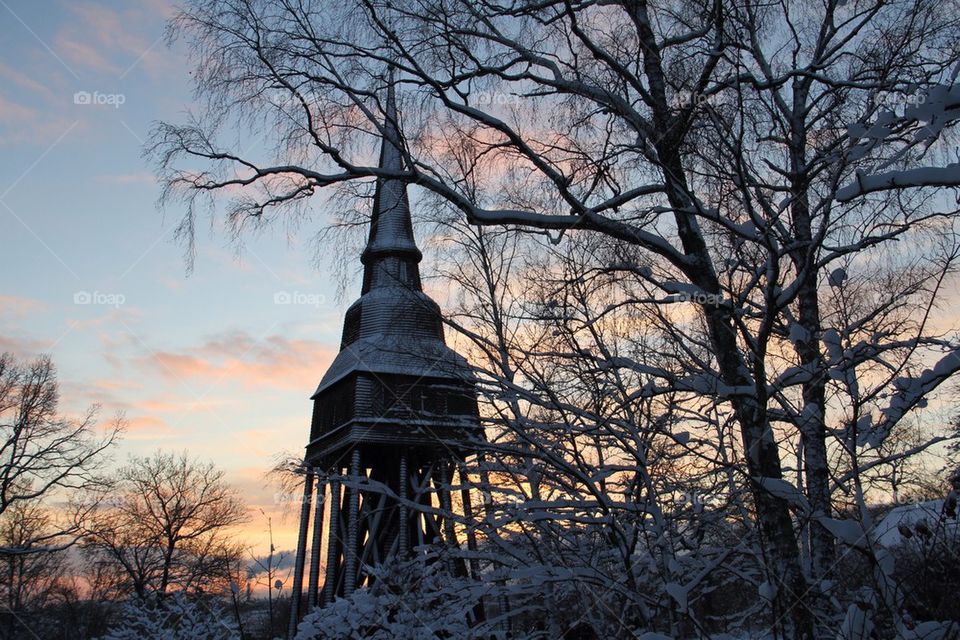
(91, 274)
(219, 361)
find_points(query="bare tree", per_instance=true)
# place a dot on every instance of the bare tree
(50, 470)
(167, 523)
(44, 455)
(29, 575)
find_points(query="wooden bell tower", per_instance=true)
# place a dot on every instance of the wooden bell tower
(392, 418)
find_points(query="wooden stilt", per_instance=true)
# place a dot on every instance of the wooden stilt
(403, 510)
(334, 542)
(372, 550)
(315, 549)
(445, 477)
(479, 610)
(468, 517)
(442, 482)
(353, 527)
(421, 493)
(297, 592)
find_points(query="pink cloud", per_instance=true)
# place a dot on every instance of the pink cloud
(22, 347)
(19, 123)
(114, 41)
(116, 385)
(19, 307)
(23, 81)
(12, 113)
(177, 405)
(238, 358)
(83, 54)
(147, 428)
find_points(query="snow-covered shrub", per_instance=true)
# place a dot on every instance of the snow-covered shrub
(415, 600)
(176, 616)
(928, 566)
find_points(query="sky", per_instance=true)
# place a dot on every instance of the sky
(219, 361)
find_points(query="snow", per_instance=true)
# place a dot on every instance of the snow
(910, 393)
(767, 591)
(798, 333)
(831, 340)
(837, 277)
(858, 624)
(887, 532)
(931, 111)
(679, 593)
(849, 532)
(175, 617)
(932, 630)
(948, 176)
(784, 490)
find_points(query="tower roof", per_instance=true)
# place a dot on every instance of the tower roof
(394, 327)
(391, 231)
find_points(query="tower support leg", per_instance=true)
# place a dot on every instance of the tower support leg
(443, 481)
(334, 542)
(315, 549)
(468, 518)
(403, 510)
(297, 592)
(353, 527)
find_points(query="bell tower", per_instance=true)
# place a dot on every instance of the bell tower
(393, 416)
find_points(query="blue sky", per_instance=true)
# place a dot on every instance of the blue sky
(90, 271)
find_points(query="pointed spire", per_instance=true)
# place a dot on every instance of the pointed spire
(391, 256)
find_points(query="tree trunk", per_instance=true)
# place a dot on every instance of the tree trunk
(762, 452)
(812, 421)
(759, 443)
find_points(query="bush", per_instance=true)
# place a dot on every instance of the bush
(173, 617)
(409, 601)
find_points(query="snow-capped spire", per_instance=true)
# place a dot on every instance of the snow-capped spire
(394, 328)
(391, 256)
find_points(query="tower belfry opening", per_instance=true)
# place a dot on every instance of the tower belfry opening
(394, 416)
